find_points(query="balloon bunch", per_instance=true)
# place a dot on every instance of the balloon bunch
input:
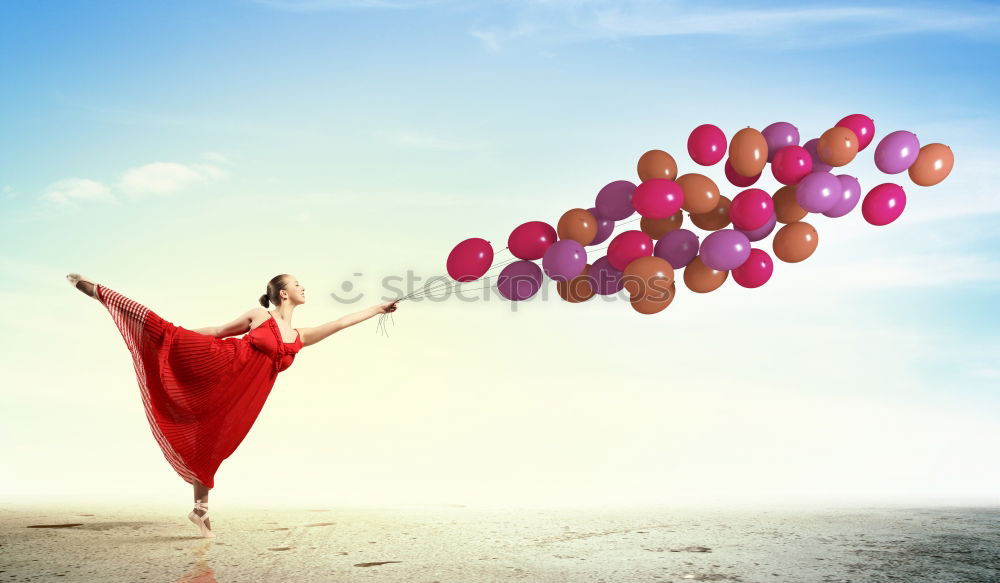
(642, 261)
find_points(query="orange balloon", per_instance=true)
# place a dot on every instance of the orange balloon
(786, 206)
(656, 164)
(657, 228)
(578, 289)
(795, 242)
(717, 218)
(701, 278)
(837, 146)
(648, 277)
(701, 194)
(652, 306)
(579, 225)
(748, 152)
(933, 164)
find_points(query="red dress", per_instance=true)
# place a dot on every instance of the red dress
(201, 394)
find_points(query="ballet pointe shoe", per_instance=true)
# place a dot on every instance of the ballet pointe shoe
(199, 521)
(76, 279)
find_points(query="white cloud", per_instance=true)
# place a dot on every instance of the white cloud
(71, 190)
(166, 177)
(217, 157)
(601, 19)
(321, 5)
(8, 191)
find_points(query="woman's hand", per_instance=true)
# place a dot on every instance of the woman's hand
(387, 307)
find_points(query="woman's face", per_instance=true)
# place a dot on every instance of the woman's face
(296, 293)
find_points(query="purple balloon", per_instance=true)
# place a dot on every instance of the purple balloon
(564, 260)
(604, 226)
(778, 135)
(818, 165)
(897, 152)
(605, 278)
(678, 247)
(850, 195)
(761, 231)
(818, 192)
(614, 201)
(519, 280)
(725, 249)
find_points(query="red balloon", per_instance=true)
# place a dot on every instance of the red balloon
(883, 204)
(627, 247)
(470, 259)
(862, 126)
(737, 179)
(791, 164)
(756, 270)
(751, 209)
(531, 240)
(707, 144)
(658, 198)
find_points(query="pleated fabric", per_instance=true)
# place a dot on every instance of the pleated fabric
(201, 394)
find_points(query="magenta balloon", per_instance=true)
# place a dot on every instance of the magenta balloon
(564, 260)
(883, 204)
(605, 278)
(897, 152)
(751, 208)
(862, 126)
(707, 145)
(470, 259)
(530, 240)
(850, 195)
(614, 201)
(737, 179)
(791, 164)
(818, 165)
(818, 192)
(679, 247)
(628, 246)
(778, 135)
(658, 198)
(762, 231)
(604, 227)
(725, 249)
(756, 271)
(519, 280)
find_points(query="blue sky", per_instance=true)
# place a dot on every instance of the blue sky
(185, 152)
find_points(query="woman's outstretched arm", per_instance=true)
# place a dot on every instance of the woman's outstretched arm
(317, 333)
(237, 326)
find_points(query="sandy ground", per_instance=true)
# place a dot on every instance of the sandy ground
(456, 543)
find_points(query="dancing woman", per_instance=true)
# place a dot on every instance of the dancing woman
(203, 389)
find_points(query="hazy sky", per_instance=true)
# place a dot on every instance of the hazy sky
(186, 152)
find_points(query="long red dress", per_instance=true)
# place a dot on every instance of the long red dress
(201, 394)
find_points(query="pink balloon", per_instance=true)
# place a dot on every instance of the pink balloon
(627, 247)
(756, 270)
(737, 179)
(530, 240)
(883, 204)
(658, 198)
(751, 209)
(707, 145)
(791, 164)
(470, 259)
(862, 126)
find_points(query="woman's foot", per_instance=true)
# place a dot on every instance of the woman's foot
(199, 518)
(83, 284)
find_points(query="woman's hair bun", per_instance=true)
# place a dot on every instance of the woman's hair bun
(263, 300)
